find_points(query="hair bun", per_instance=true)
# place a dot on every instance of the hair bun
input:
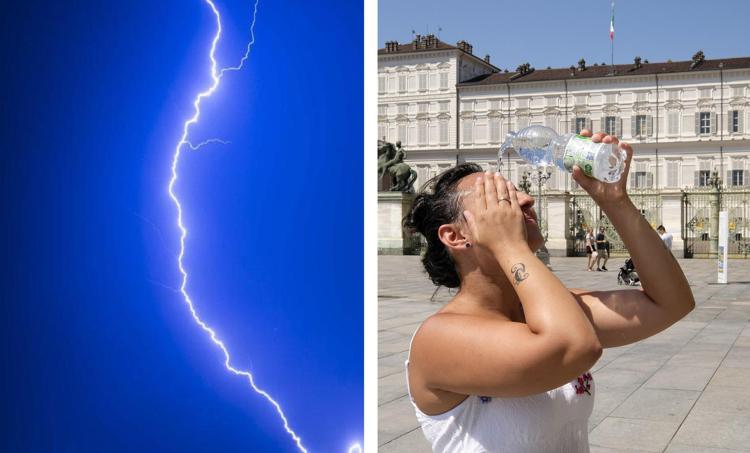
(419, 213)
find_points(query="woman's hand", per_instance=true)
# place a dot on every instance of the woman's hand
(605, 194)
(494, 216)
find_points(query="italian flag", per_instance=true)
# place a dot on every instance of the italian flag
(612, 23)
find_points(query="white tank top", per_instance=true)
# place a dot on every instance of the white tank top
(555, 421)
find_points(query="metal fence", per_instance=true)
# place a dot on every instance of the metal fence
(583, 213)
(700, 217)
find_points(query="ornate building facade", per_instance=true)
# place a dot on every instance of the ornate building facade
(685, 120)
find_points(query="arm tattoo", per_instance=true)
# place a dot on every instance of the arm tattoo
(519, 273)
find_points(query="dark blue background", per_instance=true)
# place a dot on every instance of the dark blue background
(99, 352)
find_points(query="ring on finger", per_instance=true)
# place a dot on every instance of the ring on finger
(503, 199)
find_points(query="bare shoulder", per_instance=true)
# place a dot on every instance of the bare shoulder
(453, 327)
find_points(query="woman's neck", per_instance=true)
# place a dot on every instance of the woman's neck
(482, 292)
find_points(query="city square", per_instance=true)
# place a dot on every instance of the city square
(682, 390)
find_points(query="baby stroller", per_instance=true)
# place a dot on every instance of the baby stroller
(628, 275)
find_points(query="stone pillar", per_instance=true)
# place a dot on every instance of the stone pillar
(392, 207)
(558, 221)
(671, 218)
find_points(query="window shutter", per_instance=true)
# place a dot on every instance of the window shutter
(632, 179)
(697, 181)
(697, 124)
(744, 177)
(727, 123)
(649, 125)
(714, 124)
(572, 126)
(591, 125)
(603, 124)
(741, 121)
(632, 126)
(618, 127)
(649, 180)
(728, 181)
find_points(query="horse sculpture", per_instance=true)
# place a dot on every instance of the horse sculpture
(391, 160)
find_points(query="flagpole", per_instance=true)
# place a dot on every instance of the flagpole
(612, 37)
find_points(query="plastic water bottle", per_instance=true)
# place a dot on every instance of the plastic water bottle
(541, 146)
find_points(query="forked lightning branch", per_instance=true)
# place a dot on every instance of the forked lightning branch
(185, 142)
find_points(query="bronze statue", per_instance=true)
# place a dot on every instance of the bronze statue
(391, 160)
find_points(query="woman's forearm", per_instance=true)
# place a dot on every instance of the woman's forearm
(661, 277)
(549, 307)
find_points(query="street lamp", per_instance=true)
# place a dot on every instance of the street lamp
(539, 176)
(715, 182)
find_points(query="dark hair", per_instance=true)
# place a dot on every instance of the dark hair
(661, 227)
(438, 203)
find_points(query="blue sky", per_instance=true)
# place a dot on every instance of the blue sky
(99, 353)
(559, 33)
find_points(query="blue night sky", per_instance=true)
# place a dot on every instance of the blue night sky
(559, 33)
(99, 353)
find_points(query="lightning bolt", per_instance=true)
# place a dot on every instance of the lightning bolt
(216, 76)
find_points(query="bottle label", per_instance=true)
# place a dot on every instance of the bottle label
(580, 151)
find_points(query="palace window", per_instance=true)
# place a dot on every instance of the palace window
(610, 125)
(673, 173)
(401, 83)
(703, 178)
(704, 125)
(642, 179)
(443, 80)
(673, 123)
(423, 82)
(468, 131)
(422, 133)
(737, 178)
(581, 124)
(401, 133)
(640, 126)
(443, 132)
(495, 130)
(381, 84)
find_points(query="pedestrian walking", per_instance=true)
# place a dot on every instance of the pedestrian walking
(602, 249)
(590, 248)
(666, 237)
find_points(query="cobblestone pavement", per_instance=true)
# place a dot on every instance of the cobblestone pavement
(683, 390)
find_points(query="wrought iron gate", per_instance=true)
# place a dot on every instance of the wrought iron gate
(583, 213)
(700, 211)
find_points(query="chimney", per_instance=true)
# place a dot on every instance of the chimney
(487, 58)
(581, 64)
(637, 61)
(698, 59)
(465, 46)
(430, 41)
(415, 43)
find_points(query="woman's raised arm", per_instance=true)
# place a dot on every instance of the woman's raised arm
(625, 316)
